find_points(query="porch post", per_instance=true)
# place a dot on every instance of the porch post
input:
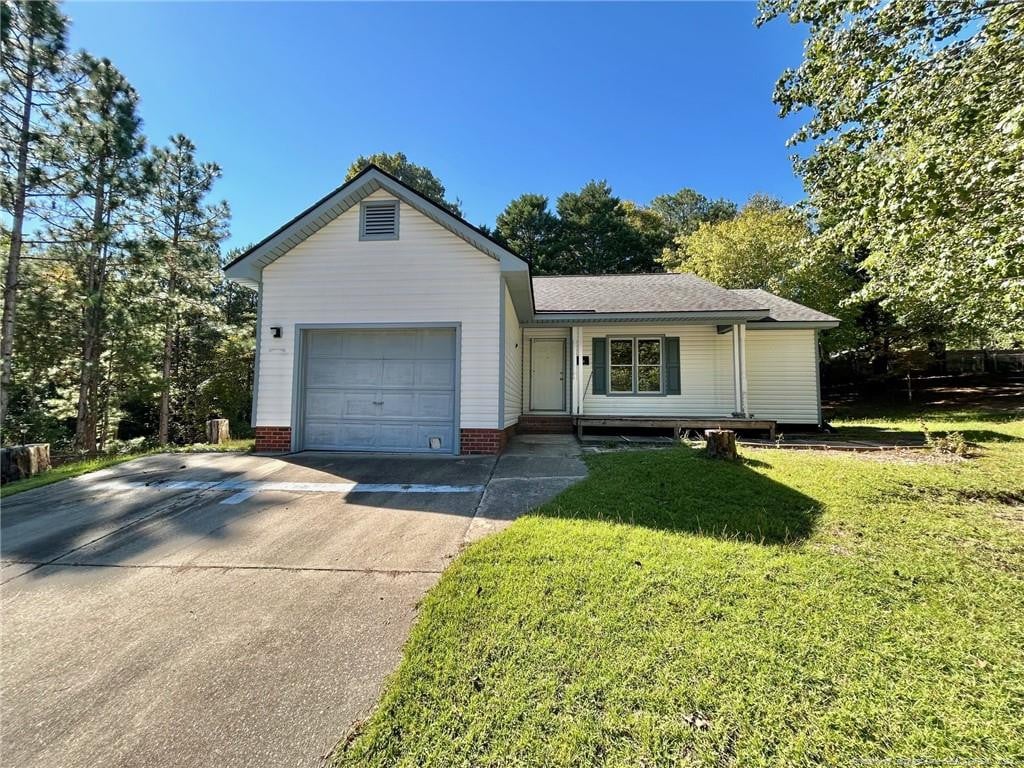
(743, 370)
(577, 368)
(739, 367)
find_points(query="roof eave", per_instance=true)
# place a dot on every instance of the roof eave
(702, 318)
(792, 324)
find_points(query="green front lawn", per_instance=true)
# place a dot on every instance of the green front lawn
(76, 468)
(799, 608)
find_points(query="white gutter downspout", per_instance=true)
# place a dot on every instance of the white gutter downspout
(739, 368)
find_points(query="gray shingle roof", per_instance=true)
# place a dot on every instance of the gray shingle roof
(637, 293)
(783, 310)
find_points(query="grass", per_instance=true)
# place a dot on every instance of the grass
(798, 608)
(81, 467)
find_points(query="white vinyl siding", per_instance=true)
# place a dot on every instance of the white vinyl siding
(513, 361)
(542, 333)
(428, 276)
(782, 382)
(782, 375)
(705, 362)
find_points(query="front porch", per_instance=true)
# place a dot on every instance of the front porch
(677, 377)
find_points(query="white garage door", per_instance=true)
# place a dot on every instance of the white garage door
(379, 390)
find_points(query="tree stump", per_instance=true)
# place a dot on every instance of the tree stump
(217, 431)
(721, 443)
(20, 461)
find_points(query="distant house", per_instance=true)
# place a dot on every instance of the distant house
(388, 324)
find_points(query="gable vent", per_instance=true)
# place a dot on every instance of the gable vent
(378, 220)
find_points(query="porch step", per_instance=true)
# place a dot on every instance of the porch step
(544, 425)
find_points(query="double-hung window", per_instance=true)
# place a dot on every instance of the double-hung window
(635, 366)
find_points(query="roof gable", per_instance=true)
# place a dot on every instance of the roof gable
(248, 267)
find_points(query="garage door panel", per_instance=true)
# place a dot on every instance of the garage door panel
(358, 373)
(361, 405)
(437, 344)
(323, 372)
(356, 433)
(323, 404)
(402, 345)
(397, 405)
(427, 431)
(356, 344)
(325, 344)
(435, 405)
(390, 390)
(320, 435)
(399, 373)
(438, 374)
(398, 436)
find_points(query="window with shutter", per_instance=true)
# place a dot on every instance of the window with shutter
(378, 220)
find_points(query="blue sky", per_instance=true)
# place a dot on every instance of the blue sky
(497, 99)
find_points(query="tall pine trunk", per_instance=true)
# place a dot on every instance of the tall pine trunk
(85, 422)
(14, 254)
(165, 388)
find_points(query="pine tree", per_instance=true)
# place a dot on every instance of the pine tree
(531, 230)
(184, 237)
(33, 46)
(101, 152)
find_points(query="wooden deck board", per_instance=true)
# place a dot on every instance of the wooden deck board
(676, 424)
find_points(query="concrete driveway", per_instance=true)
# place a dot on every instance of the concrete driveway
(229, 610)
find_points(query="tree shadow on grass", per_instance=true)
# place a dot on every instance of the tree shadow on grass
(896, 436)
(683, 490)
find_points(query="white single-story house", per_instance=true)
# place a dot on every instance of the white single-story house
(388, 324)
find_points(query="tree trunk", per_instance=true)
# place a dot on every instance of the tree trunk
(165, 389)
(85, 422)
(14, 253)
(217, 431)
(21, 461)
(721, 443)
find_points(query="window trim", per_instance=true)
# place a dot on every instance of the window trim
(363, 237)
(632, 365)
(635, 366)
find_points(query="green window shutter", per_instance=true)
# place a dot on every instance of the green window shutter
(673, 383)
(599, 366)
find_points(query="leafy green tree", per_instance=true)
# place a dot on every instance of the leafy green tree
(769, 246)
(654, 233)
(33, 42)
(757, 249)
(687, 209)
(44, 385)
(419, 177)
(183, 237)
(531, 230)
(916, 125)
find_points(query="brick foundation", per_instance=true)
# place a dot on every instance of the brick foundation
(273, 439)
(472, 441)
(486, 441)
(545, 425)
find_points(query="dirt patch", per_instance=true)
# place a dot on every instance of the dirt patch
(885, 455)
(1008, 498)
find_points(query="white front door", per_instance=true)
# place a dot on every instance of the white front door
(547, 375)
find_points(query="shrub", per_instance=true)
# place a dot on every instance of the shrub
(953, 443)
